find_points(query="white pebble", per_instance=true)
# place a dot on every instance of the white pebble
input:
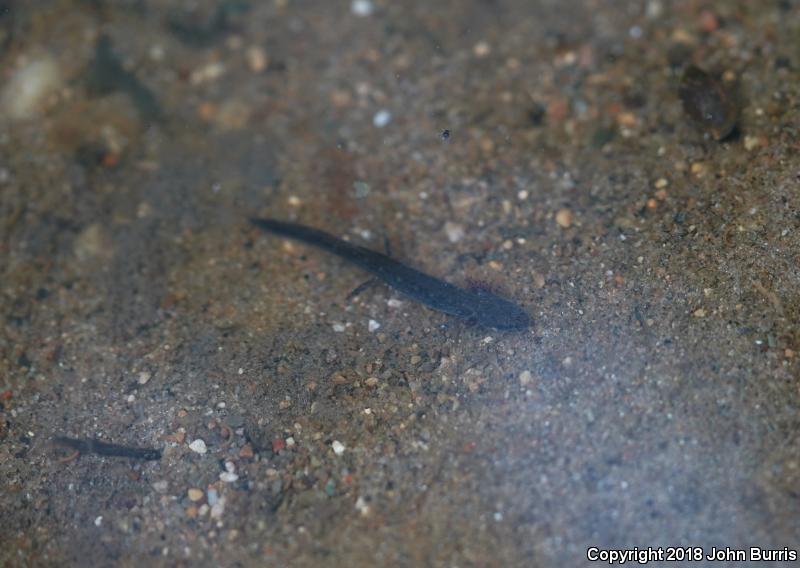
(482, 49)
(218, 508)
(373, 325)
(144, 376)
(361, 7)
(338, 447)
(198, 446)
(362, 506)
(454, 231)
(209, 72)
(28, 88)
(228, 477)
(98, 521)
(257, 59)
(338, 327)
(381, 118)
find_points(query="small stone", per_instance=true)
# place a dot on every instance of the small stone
(26, 91)
(192, 511)
(481, 49)
(361, 188)
(212, 496)
(246, 451)
(341, 98)
(144, 376)
(751, 142)
(361, 8)
(362, 506)
(373, 325)
(708, 21)
(257, 59)
(564, 218)
(538, 280)
(525, 378)
(627, 119)
(161, 486)
(708, 102)
(454, 231)
(661, 183)
(218, 509)
(98, 521)
(93, 243)
(381, 118)
(699, 313)
(698, 169)
(371, 382)
(338, 447)
(228, 477)
(195, 494)
(209, 72)
(198, 446)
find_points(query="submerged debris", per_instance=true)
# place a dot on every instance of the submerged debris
(708, 103)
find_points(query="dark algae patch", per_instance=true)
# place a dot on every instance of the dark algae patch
(708, 102)
(480, 306)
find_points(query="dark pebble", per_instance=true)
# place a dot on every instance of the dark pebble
(708, 103)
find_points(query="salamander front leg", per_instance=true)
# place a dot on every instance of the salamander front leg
(362, 287)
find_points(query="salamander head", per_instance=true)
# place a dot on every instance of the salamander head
(499, 313)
